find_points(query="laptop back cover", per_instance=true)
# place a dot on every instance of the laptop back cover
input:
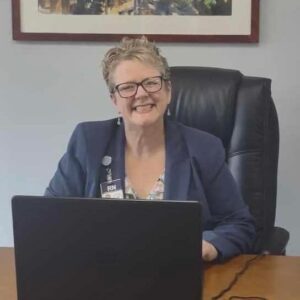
(72, 248)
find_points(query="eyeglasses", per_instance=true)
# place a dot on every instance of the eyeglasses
(129, 89)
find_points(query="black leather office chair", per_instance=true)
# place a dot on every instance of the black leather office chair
(240, 111)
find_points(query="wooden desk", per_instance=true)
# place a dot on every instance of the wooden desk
(272, 277)
(7, 274)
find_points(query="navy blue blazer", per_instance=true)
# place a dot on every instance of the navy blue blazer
(195, 170)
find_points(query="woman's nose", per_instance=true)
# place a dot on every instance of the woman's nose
(140, 91)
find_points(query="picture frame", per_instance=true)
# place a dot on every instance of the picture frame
(241, 26)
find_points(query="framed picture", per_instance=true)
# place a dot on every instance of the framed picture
(159, 20)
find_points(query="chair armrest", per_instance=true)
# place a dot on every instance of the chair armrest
(276, 242)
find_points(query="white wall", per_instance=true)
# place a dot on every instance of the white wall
(48, 87)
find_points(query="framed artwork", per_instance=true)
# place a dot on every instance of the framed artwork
(159, 20)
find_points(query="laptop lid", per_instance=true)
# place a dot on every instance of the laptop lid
(86, 249)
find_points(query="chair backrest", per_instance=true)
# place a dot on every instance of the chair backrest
(240, 111)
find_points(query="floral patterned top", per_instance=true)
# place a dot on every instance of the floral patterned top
(157, 192)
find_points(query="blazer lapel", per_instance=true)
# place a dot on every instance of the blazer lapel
(115, 150)
(178, 168)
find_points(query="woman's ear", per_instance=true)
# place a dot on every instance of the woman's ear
(169, 88)
(169, 84)
(113, 98)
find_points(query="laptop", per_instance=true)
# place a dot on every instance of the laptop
(107, 249)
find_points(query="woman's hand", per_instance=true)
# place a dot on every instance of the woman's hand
(209, 252)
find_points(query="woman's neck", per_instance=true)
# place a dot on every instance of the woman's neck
(143, 142)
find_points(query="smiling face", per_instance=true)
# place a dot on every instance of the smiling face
(144, 108)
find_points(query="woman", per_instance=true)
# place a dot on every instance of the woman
(147, 156)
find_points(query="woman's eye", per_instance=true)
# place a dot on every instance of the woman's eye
(126, 87)
(151, 83)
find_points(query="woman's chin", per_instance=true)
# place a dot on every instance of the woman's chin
(145, 119)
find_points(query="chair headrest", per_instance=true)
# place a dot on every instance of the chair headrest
(205, 98)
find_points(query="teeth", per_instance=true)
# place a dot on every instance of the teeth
(144, 108)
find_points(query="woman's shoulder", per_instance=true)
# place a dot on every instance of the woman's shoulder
(94, 129)
(91, 132)
(204, 149)
(197, 137)
(96, 125)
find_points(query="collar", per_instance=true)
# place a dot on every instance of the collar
(177, 165)
(178, 170)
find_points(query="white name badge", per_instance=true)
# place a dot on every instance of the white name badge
(112, 189)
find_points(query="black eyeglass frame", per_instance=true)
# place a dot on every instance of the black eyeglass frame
(137, 84)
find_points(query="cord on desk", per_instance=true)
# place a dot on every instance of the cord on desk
(246, 298)
(235, 279)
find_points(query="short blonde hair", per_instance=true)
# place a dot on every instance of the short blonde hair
(133, 49)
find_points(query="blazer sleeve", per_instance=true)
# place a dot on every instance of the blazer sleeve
(231, 227)
(69, 178)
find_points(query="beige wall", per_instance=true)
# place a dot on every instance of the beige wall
(48, 87)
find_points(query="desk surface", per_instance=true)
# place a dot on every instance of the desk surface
(271, 277)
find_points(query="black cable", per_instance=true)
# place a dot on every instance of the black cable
(235, 279)
(246, 298)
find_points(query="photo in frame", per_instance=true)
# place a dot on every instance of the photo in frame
(159, 20)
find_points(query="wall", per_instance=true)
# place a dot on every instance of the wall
(48, 87)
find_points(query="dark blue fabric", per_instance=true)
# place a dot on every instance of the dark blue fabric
(195, 170)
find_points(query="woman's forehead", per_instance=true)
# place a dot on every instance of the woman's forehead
(134, 70)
